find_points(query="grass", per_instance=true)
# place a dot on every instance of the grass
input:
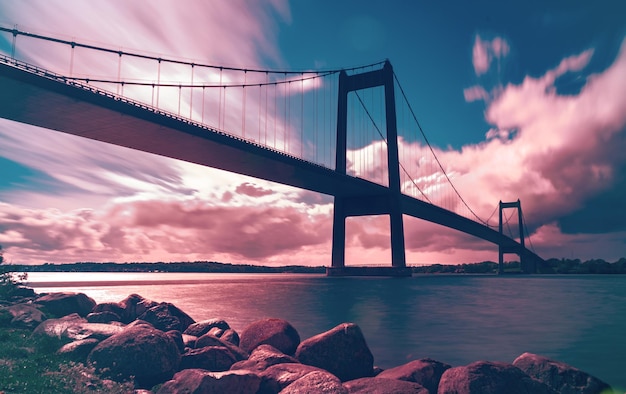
(31, 365)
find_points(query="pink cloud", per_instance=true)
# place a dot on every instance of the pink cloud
(480, 56)
(252, 190)
(475, 93)
(484, 51)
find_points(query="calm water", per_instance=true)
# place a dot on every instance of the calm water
(580, 320)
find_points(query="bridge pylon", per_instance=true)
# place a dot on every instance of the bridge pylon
(527, 263)
(388, 203)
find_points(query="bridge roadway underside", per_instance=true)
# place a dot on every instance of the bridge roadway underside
(53, 104)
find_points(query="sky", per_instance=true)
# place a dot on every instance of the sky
(523, 101)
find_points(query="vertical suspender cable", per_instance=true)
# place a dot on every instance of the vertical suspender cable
(14, 41)
(158, 82)
(302, 116)
(180, 90)
(259, 111)
(191, 95)
(219, 113)
(72, 59)
(119, 70)
(203, 98)
(243, 105)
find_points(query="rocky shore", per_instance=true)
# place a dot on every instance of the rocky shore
(163, 350)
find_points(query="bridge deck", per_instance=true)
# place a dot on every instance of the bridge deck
(36, 97)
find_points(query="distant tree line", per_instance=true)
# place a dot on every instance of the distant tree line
(196, 266)
(551, 266)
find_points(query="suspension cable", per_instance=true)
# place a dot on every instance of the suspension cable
(17, 32)
(386, 143)
(528, 234)
(433, 152)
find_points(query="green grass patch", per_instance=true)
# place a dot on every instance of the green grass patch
(30, 364)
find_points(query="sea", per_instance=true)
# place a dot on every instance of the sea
(457, 319)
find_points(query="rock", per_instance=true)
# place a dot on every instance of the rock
(216, 332)
(200, 381)
(177, 337)
(210, 340)
(485, 377)
(76, 328)
(166, 316)
(561, 377)
(113, 307)
(426, 372)
(139, 323)
(134, 306)
(231, 336)
(189, 341)
(63, 304)
(146, 353)
(79, 350)
(202, 327)
(25, 316)
(341, 351)
(262, 357)
(103, 317)
(316, 382)
(22, 293)
(276, 332)
(279, 376)
(211, 358)
(383, 386)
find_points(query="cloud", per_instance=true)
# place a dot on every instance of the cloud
(484, 51)
(475, 93)
(252, 190)
(557, 153)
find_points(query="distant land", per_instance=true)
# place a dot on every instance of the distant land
(551, 266)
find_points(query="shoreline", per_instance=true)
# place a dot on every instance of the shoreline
(156, 318)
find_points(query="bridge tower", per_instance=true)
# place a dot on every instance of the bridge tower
(361, 205)
(527, 264)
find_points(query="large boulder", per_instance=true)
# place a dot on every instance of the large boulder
(276, 332)
(200, 328)
(80, 349)
(211, 358)
(279, 376)
(148, 354)
(210, 340)
(560, 376)
(134, 306)
(383, 386)
(485, 377)
(112, 307)
(25, 315)
(262, 357)
(166, 316)
(316, 382)
(341, 351)
(197, 381)
(76, 328)
(426, 372)
(63, 304)
(231, 336)
(103, 317)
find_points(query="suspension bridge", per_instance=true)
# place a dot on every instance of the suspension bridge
(348, 133)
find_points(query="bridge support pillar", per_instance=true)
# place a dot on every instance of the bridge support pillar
(528, 265)
(339, 234)
(359, 205)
